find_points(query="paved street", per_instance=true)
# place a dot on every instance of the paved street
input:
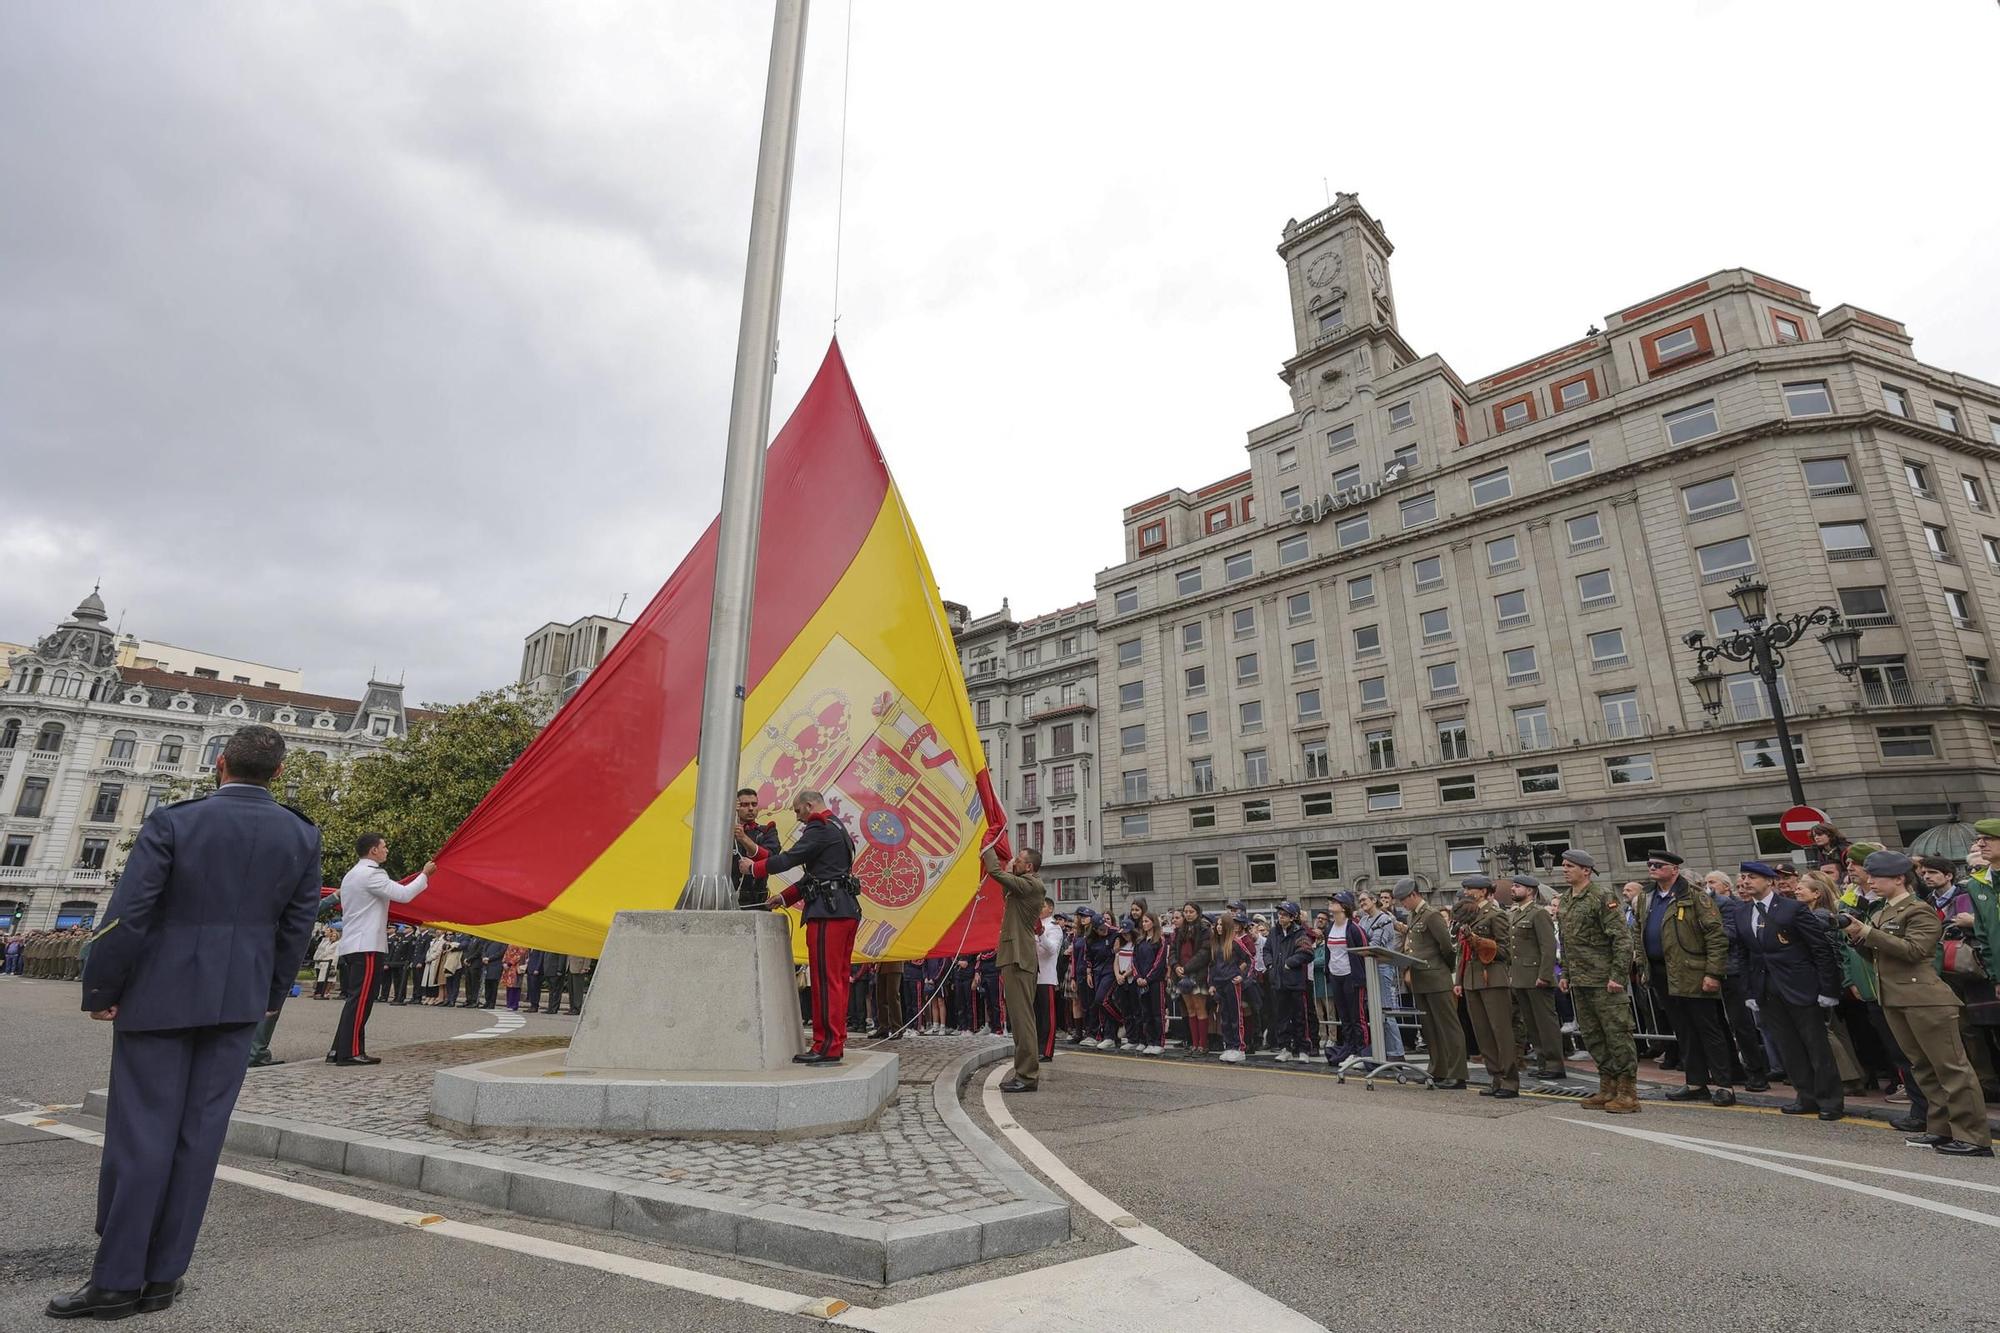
(1356, 1209)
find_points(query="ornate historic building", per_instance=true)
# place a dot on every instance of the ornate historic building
(88, 747)
(1432, 616)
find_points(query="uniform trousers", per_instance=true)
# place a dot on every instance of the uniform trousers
(829, 954)
(989, 1001)
(171, 1095)
(1799, 1033)
(1535, 1019)
(1604, 1021)
(1743, 1027)
(1929, 1036)
(1149, 1013)
(1492, 1011)
(1346, 995)
(1437, 1014)
(1045, 1021)
(1292, 1010)
(1700, 1029)
(1019, 984)
(1109, 1015)
(358, 973)
(888, 997)
(1229, 1013)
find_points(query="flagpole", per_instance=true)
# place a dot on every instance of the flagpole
(743, 473)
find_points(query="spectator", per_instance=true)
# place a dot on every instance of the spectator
(1191, 958)
(511, 963)
(325, 957)
(578, 974)
(1345, 982)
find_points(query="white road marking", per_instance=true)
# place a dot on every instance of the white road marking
(504, 1021)
(1735, 1154)
(1851, 1166)
(645, 1270)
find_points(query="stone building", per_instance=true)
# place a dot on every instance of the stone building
(88, 747)
(1432, 615)
(1033, 686)
(556, 659)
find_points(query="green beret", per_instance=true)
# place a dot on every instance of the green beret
(1987, 828)
(1858, 852)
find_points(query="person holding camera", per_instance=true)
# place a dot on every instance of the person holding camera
(832, 915)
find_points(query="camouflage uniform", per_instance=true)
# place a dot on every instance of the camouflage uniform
(1596, 949)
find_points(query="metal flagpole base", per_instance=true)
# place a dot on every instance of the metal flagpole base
(708, 893)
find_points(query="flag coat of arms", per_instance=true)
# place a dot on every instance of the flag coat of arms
(853, 689)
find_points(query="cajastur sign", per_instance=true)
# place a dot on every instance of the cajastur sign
(1335, 501)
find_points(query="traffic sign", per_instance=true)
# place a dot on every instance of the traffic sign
(1798, 823)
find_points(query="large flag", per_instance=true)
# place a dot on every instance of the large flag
(854, 688)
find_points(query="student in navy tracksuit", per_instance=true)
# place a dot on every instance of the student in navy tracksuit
(1102, 946)
(1228, 964)
(1291, 951)
(832, 915)
(1082, 984)
(987, 981)
(1149, 985)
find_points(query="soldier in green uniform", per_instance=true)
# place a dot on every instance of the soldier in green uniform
(1694, 950)
(73, 955)
(1531, 974)
(1596, 959)
(1483, 981)
(1922, 1010)
(1429, 980)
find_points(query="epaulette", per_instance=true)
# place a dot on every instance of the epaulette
(189, 801)
(300, 813)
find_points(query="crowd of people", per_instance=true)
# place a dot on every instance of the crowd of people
(46, 955)
(456, 969)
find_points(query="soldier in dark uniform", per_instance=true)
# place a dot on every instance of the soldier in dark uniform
(751, 838)
(203, 936)
(832, 915)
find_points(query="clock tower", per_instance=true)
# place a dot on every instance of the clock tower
(1343, 307)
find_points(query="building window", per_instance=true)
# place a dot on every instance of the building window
(1827, 476)
(1201, 775)
(1134, 784)
(1919, 478)
(1569, 463)
(1237, 566)
(1444, 680)
(1787, 329)
(1607, 648)
(34, 792)
(1207, 872)
(1128, 653)
(104, 810)
(1574, 392)
(1947, 418)
(1503, 553)
(1028, 780)
(1511, 608)
(1322, 865)
(1340, 437)
(1381, 749)
(1219, 519)
(1405, 458)
(1621, 769)
(1066, 646)
(1313, 754)
(1540, 779)
(1308, 705)
(1188, 582)
(1992, 548)
(1845, 541)
(16, 851)
(1514, 412)
(1594, 589)
(1975, 494)
(1062, 738)
(1937, 540)
(1316, 805)
(1808, 399)
(50, 738)
(124, 746)
(1197, 726)
(1151, 538)
(1191, 636)
(1134, 826)
(1367, 640)
(1691, 423)
(1621, 714)
(1288, 459)
(1243, 623)
(1027, 747)
(1435, 623)
(1761, 754)
(1260, 869)
(1291, 500)
(1456, 789)
(1866, 608)
(1062, 780)
(1418, 509)
(92, 855)
(1392, 860)
(1293, 549)
(1360, 591)
(1706, 499)
(1959, 608)
(1201, 816)
(1305, 656)
(1197, 681)
(1347, 478)
(1375, 692)
(1130, 739)
(1683, 342)
(1895, 401)
(10, 733)
(1907, 742)
(1257, 771)
(1721, 559)
(1429, 572)
(1638, 842)
(1585, 531)
(1330, 319)
(1298, 608)
(1132, 694)
(1250, 716)
(1531, 727)
(1461, 856)
(155, 798)
(1351, 531)
(1065, 835)
(1246, 669)
(1885, 680)
(1388, 796)
(1453, 740)
(1402, 415)
(1491, 486)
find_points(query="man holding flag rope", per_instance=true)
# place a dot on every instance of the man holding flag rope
(832, 915)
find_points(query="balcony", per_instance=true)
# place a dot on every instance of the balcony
(165, 766)
(44, 761)
(16, 874)
(84, 877)
(124, 763)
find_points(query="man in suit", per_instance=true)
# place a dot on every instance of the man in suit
(1736, 922)
(537, 968)
(493, 960)
(204, 934)
(1429, 980)
(1793, 972)
(1018, 958)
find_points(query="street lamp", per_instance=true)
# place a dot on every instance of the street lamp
(1109, 881)
(1515, 853)
(1761, 643)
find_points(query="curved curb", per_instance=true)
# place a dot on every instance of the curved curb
(945, 1091)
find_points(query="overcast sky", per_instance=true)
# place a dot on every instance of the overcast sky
(339, 336)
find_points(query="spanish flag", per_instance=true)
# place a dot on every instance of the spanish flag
(854, 689)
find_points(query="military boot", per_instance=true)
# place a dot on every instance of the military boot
(1626, 1100)
(1605, 1088)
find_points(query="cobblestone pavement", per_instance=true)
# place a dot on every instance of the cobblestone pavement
(908, 1167)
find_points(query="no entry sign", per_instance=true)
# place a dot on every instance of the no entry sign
(1797, 824)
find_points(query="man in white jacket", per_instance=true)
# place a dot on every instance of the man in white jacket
(365, 894)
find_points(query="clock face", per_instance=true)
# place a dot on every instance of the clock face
(1323, 270)
(1374, 271)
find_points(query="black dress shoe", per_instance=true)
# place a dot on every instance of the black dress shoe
(1452, 1085)
(815, 1058)
(1960, 1148)
(1016, 1085)
(265, 1063)
(1797, 1108)
(878, 1035)
(1759, 1086)
(1909, 1124)
(1687, 1095)
(806, 1058)
(1927, 1140)
(1488, 1091)
(1502, 1094)
(91, 1301)
(157, 1296)
(1833, 1115)
(359, 1060)
(1722, 1097)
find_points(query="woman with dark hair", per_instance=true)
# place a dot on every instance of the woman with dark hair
(1149, 991)
(1191, 956)
(1343, 934)
(1229, 961)
(1829, 846)
(1964, 954)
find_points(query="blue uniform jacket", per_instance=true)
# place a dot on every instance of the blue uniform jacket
(1793, 953)
(211, 916)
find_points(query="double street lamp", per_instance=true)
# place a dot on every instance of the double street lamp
(1762, 643)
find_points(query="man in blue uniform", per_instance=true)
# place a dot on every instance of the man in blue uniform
(205, 933)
